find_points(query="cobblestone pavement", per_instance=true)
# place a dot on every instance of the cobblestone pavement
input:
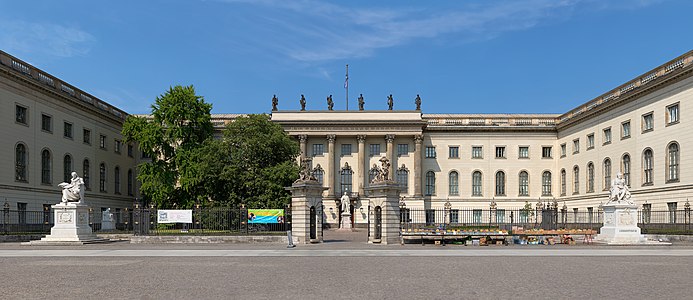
(345, 267)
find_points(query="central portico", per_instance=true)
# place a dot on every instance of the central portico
(345, 145)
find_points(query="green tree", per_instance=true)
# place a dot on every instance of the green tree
(180, 123)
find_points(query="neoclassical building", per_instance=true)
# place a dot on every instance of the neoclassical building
(467, 160)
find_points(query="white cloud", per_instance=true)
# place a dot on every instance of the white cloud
(44, 38)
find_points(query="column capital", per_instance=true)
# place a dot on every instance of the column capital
(302, 138)
(361, 138)
(418, 139)
(389, 138)
(331, 138)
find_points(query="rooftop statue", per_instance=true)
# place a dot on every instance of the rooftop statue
(361, 102)
(417, 101)
(619, 190)
(74, 190)
(330, 104)
(390, 102)
(303, 102)
(275, 102)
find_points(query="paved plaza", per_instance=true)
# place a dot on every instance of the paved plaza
(344, 267)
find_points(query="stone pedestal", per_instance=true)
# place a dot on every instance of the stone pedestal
(107, 225)
(620, 225)
(306, 211)
(384, 213)
(71, 226)
(346, 221)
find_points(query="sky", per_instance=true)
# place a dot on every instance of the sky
(471, 56)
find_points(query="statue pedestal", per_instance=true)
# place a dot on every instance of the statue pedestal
(306, 211)
(384, 213)
(620, 225)
(71, 226)
(346, 221)
(107, 225)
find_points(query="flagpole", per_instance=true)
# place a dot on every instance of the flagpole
(346, 86)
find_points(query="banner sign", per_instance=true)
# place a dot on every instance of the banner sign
(174, 216)
(265, 216)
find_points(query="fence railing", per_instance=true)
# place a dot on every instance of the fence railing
(674, 221)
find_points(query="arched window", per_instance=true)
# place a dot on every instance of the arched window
(476, 183)
(319, 173)
(607, 174)
(563, 182)
(116, 180)
(346, 176)
(67, 168)
(403, 178)
(500, 183)
(430, 183)
(20, 162)
(85, 173)
(625, 168)
(576, 180)
(453, 183)
(524, 183)
(648, 166)
(102, 177)
(673, 161)
(590, 177)
(46, 167)
(546, 183)
(130, 181)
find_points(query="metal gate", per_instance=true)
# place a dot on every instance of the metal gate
(378, 222)
(313, 223)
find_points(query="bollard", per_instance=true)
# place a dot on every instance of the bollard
(291, 241)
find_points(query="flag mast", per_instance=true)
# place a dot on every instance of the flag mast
(346, 86)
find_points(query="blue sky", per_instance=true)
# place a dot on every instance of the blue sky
(515, 56)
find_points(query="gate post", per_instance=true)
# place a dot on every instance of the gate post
(306, 211)
(384, 202)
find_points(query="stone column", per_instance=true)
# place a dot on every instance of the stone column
(302, 139)
(362, 168)
(390, 154)
(306, 227)
(418, 152)
(330, 169)
(384, 196)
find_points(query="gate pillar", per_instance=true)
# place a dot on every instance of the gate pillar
(384, 212)
(306, 211)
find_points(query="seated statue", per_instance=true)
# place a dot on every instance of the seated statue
(73, 191)
(619, 190)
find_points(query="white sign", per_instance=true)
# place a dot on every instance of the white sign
(174, 216)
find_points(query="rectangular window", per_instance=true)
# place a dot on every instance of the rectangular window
(563, 150)
(590, 141)
(546, 152)
(86, 136)
(102, 141)
(117, 145)
(576, 146)
(625, 130)
(67, 130)
(607, 136)
(402, 149)
(647, 122)
(454, 152)
(476, 215)
(21, 115)
(21, 213)
(430, 152)
(346, 149)
(477, 152)
(500, 152)
(318, 150)
(375, 149)
(524, 152)
(454, 216)
(46, 123)
(672, 114)
(130, 150)
(430, 216)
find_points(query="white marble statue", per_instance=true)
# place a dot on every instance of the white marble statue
(73, 191)
(346, 203)
(619, 190)
(106, 215)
